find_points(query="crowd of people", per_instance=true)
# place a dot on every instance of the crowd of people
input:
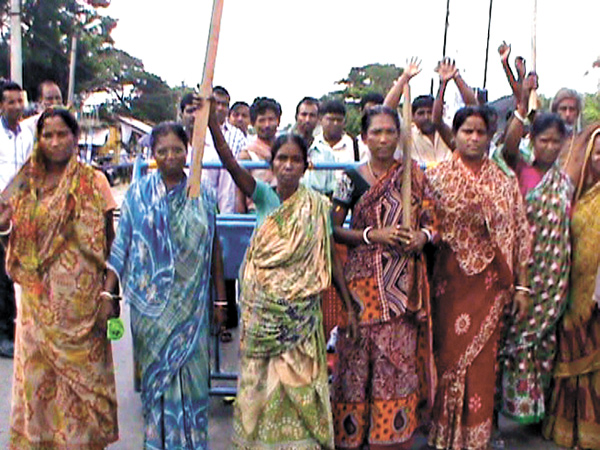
(475, 295)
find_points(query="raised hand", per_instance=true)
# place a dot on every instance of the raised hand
(521, 67)
(504, 51)
(413, 67)
(446, 69)
(201, 102)
(530, 82)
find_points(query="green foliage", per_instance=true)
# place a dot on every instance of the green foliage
(359, 82)
(47, 30)
(591, 108)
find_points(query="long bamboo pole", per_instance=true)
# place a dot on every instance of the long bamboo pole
(201, 119)
(407, 164)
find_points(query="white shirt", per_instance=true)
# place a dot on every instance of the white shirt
(15, 148)
(31, 123)
(220, 180)
(343, 150)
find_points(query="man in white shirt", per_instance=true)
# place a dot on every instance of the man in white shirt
(239, 116)
(307, 119)
(49, 94)
(333, 120)
(16, 143)
(218, 179)
(367, 101)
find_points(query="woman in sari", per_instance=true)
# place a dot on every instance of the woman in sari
(529, 346)
(483, 248)
(573, 417)
(376, 383)
(283, 393)
(164, 254)
(63, 387)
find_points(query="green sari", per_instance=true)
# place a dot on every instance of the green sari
(283, 393)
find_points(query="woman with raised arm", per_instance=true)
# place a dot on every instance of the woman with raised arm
(480, 267)
(573, 416)
(165, 254)
(283, 394)
(63, 393)
(529, 348)
(378, 385)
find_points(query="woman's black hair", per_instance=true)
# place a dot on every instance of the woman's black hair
(367, 117)
(293, 138)
(464, 113)
(55, 111)
(165, 128)
(544, 121)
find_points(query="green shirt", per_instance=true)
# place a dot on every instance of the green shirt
(267, 200)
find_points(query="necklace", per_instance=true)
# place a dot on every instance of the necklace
(375, 177)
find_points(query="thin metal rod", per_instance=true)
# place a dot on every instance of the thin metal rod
(487, 46)
(446, 28)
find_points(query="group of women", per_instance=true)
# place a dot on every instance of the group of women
(502, 256)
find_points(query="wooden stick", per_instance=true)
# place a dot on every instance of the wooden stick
(407, 164)
(201, 119)
(533, 97)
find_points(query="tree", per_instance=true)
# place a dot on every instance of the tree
(49, 25)
(359, 82)
(591, 108)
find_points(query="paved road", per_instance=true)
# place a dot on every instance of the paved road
(220, 429)
(130, 408)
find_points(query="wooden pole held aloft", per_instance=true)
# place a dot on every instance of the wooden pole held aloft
(201, 119)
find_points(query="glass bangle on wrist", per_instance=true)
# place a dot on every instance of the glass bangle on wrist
(523, 289)
(520, 118)
(220, 304)
(7, 232)
(109, 295)
(365, 235)
(427, 233)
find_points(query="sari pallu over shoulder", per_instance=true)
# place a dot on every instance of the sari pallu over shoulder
(165, 330)
(463, 201)
(56, 252)
(548, 212)
(142, 253)
(287, 267)
(76, 215)
(394, 270)
(531, 343)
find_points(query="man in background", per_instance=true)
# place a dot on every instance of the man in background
(16, 144)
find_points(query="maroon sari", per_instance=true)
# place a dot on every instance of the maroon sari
(484, 234)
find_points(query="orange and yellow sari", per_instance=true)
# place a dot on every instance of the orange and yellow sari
(573, 417)
(64, 393)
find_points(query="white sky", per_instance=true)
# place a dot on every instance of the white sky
(288, 49)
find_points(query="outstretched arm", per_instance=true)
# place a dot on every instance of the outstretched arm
(514, 133)
(392, 99)
(242, 178)
(447, 70)
(504, 51)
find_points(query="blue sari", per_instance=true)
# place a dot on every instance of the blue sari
(162, 253)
